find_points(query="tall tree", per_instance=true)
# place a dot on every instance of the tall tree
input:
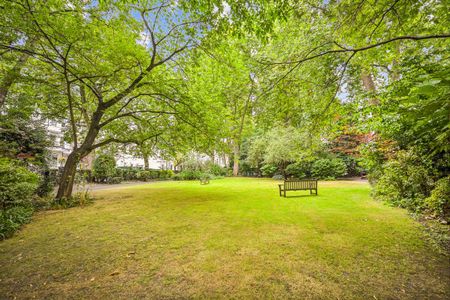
(108, 63)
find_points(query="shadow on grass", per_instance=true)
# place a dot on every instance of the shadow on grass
(299, 196)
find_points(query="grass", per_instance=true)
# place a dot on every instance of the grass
(233, 238)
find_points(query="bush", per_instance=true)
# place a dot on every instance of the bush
(12, 219)
(268, 170)
(326, 168)
(298, 170)
(115, 180)
(144, 175)
(104, 167)
(278, 177)
(353, 168)
(165, 174)
(438, 203)
(206, 176)
(405, 182)
(217, 170)
(190, 175)
(128, 173)
(47, 183)
(17, 184)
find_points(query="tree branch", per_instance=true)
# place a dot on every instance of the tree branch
(355, 50)
(115, 140)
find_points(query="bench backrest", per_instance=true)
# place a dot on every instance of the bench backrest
(300, 184)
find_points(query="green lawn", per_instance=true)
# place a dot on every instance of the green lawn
(233, 238)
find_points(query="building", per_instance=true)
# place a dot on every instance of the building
(60, 150)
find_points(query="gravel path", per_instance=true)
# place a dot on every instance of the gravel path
(97, 186)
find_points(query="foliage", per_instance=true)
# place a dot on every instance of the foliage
(17, 184)
(104, 167)
(438, 203)
(188, 175)
(17, 188)
(78, 199)
(269, 170)
(299, 170)
(328, 168)
(128, 173)
(47, 183)
(115, 180)
(216, 170)
(20, 135)
(206, 176)
(352, 164)
(145, 175)
(406, 181)
(287, 144)
(165, 174)
(11, 219)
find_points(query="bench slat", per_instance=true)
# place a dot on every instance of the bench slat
(298, 185)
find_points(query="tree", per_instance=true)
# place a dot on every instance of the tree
(223, 78)
(101, 68)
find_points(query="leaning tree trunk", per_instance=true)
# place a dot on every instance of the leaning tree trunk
(68, 176)
(236, 156)
(70, 168)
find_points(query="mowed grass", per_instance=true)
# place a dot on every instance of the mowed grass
(233, 238)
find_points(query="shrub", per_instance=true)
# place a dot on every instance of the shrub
(439, 201)
(176, 177)
(326, 168)
(144, 175)
(128, 173)
(353, 168)
(405, 181)
(278, 177)
(12, 219)
(17, 184)
(190, 175)
(115, 180)
(206, 176)
(47, 183)
(217, 170)
(298, 170)
(268, 170)
(165, 174)
(104, 167)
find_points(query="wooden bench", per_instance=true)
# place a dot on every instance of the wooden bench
(298, 185)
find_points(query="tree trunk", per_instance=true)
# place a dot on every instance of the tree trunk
(68, 176)
(369, 86)
(146, 162)
(236, 156)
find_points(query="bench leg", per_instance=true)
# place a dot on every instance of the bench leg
(284, 193)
